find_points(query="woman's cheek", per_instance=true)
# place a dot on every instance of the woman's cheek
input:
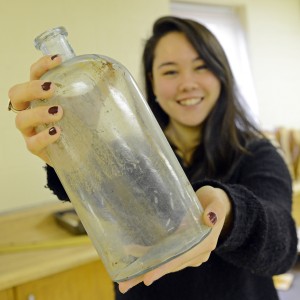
(165, 90)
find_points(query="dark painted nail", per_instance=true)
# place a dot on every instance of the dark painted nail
(54, 56)
(212, 217)
(53, 110)
(46, 86)
(52, 131)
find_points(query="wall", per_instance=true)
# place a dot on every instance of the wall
(273, 33)
(274, 40)
(97, 26)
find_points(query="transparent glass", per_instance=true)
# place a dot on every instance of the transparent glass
(116, 165)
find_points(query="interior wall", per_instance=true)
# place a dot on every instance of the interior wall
(273, 35)
(274, 41)
(117, 28)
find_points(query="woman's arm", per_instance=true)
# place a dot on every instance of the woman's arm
(263, 235)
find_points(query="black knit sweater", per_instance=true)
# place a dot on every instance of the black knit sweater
(261, 243)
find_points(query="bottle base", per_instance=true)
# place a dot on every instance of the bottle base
(156, 257)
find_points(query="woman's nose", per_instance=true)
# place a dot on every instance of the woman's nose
(188, 82)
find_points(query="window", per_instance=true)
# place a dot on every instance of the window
(224, 22)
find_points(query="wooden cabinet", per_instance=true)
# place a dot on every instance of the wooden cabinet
(48, 273)
(85, 282)
(7, 294)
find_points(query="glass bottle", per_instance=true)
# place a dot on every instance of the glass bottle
(116, 165)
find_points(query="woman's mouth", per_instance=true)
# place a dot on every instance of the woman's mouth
(190, 101)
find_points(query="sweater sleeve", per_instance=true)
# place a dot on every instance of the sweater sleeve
(263, 236)
(54, 184)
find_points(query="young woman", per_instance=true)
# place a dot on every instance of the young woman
(239, 177)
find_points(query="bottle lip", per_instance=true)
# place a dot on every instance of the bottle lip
(60, 30)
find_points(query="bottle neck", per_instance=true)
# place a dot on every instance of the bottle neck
(54, 41)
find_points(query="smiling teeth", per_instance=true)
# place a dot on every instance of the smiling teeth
(189, 102)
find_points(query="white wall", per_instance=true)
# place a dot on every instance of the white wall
(117, 28)
(274, 40)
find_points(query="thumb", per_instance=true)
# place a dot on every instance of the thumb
(210, 199)
(210, 217)
(208, 196)
(214, 213)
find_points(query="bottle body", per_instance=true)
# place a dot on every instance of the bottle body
(118, 169)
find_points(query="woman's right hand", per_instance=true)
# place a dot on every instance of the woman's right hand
(27, 120)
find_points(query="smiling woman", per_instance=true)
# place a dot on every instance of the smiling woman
(185, 89)
(240, 179)
(191, 90)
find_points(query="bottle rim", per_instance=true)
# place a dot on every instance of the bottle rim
(60, 30)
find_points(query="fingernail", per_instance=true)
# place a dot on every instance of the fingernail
(46, 86)
(53, 110)
(54, 56)
(52, 131)
(212, 217)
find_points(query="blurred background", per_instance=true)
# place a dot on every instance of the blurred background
(261, 37)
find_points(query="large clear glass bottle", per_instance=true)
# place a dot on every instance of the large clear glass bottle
(116, 165)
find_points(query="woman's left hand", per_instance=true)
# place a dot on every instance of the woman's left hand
(217, 214)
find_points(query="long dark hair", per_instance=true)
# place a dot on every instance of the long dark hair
(228, 128)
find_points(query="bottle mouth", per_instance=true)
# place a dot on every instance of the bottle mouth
(49, 34)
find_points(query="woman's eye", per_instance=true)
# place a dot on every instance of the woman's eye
(202, 67)
(170, 72)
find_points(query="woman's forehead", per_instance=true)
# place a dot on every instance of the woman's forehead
(174, 46)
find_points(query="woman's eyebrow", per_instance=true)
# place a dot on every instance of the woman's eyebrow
(168, 63)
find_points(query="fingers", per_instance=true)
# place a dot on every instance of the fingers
(193, 258)
(195, 262)
(28, 120)
(38, 143)
(127, 285)
(21, 94)
(43, 65)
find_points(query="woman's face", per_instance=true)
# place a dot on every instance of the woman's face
(185, 89)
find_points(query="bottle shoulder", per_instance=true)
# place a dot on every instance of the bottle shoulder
(92, 65)
(83, 73)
